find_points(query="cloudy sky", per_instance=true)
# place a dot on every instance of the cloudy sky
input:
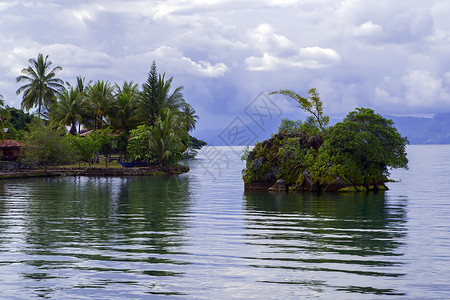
(390, 55)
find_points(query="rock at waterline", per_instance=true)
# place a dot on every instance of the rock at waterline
(279, 186)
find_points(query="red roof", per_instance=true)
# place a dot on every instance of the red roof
(11, 144)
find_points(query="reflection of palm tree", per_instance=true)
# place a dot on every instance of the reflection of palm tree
(42, 85)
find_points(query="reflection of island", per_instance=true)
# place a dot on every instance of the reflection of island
(349, 241)
(83, 227)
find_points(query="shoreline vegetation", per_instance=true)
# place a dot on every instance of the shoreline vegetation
(60, 171)
(354, 155)
(93, 122)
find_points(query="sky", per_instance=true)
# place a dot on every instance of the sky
(389, 55)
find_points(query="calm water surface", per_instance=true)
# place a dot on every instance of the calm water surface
(199, 235)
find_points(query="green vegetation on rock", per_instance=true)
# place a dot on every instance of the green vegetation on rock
(352, 155)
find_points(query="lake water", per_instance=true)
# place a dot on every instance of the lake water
(198, 235)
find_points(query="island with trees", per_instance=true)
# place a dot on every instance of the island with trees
(88, 123)
(353, 155)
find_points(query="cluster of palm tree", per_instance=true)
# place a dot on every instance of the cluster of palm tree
(94, 105)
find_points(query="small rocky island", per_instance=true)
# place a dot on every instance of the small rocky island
(352, 155)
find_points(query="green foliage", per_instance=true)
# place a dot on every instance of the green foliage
(124, 116)
(98, 141)
(47, 146)
(103, 141)
(312, 104)
(138, 147)
(245, 153)
(165, 139)
(102, 104)
(150, 102)
(18, 118)
(356, 152)
(366, 144)
(70, 109)
(84, 147)
(289, 126)
(101, 98)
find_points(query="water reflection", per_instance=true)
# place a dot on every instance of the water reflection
(339, 236)
(82, 229)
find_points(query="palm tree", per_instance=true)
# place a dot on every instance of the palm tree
(70, 109)
(42, 84)
(172, 101)
(164, 140)
(188, 117)
(101, 97)
(124, 113)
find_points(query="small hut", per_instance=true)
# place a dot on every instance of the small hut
(11, 150)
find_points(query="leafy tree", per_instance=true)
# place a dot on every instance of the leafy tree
(289, 126)
(98, 142)
(41, 83)
(138, 148)
(47, 146)
(18, 118)
(85, 147)
(313, 105)
(366, 145)
(103, 142)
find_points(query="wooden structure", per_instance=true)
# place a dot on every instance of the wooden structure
(11, 150)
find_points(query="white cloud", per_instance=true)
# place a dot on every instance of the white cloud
(385, 54)
(368, 29)
(309, 58)
(207, 69)
(279, 52)
(423, 88)
(267, 41)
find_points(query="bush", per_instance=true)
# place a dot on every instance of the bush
(47, 146)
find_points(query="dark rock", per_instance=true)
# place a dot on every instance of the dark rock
(279, 186)
(315, 142)
(335, 185)
(13, 166)
(258, 185)
(307, 181)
